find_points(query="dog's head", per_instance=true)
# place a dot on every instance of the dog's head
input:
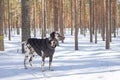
(53, 35)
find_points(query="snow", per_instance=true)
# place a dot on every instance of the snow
(91, 62)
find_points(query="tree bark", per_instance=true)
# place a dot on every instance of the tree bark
(1, 25)
(76, 24)
(44, 19)
(107, 25)
(91, 20)
(9, 21)
(25, 20)
(61, 18)
(55, 2)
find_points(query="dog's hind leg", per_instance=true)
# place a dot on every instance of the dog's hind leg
(30, 60)
(43, 63)
(26, 57)
(27, 53)
(31, 55)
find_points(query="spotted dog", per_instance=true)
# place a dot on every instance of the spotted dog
(43, 47)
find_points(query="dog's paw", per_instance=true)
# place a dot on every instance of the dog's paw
(30, 64)
(25, 67)
(43, 70)
(51, 69)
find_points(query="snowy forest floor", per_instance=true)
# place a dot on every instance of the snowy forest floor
(91, 62)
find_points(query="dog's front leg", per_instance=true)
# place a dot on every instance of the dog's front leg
(50, 63)
(43, 63)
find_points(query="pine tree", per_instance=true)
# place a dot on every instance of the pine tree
(25, 20)
(1, 25)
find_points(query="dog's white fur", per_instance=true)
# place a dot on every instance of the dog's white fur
(29, 53)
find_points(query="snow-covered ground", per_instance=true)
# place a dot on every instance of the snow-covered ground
(91, 62)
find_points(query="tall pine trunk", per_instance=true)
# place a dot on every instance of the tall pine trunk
(91, 20)
(25, 20)
(61, 26)
(107, 25)
(55, 3)
(1, 25)
(9, 21)
(76, 24)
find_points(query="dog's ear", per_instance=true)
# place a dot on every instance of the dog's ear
(52, 35)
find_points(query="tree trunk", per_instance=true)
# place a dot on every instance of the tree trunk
(103, 20)
(114, 17)
(91, 20)
(1, 25)
(9, 21)
(71, 4)
(96, 19)
(76, 24)
(107, 25)
(17, 20)
(44, 19)
(34, 17)
(55, 15)
(25, 20)
(61, 18)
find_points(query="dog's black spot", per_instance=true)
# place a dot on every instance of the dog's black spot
(41, 45)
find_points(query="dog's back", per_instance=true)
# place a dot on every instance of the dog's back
(41, 45)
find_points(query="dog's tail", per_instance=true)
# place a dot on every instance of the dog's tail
(23, 43)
